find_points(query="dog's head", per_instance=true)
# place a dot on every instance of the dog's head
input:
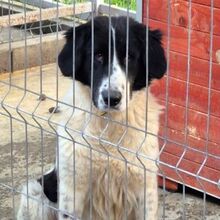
(112, 83)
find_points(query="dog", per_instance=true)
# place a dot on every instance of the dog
(106, 168)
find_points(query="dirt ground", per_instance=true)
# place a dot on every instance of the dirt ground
(32, 149)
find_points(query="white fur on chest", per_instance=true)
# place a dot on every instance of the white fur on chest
(80, 165)
(97, 132)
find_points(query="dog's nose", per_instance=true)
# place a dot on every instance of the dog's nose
(114, 97)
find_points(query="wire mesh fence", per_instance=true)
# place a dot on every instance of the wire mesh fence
(45, 117)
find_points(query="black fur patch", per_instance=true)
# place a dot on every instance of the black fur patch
(49, 182)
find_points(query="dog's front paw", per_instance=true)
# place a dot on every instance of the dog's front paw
(34, 204)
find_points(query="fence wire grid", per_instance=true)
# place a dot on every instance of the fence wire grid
(31, 96)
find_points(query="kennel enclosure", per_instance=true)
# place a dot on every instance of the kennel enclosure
(190, 124)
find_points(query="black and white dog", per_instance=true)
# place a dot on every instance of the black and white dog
(108, 170)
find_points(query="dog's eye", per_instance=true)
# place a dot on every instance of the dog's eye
(99, 57)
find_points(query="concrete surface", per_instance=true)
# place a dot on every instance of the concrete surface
(46, 53)
(26, 148)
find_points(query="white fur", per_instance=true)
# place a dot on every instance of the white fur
(109, 183)
(93, 128)
(37, 206)
(117, 81)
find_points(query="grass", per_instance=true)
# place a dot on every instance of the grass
(119, 3)
(123, 3)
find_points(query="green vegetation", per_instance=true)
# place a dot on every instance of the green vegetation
(122, 3)
(119, 3)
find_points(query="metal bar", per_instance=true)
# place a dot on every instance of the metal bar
(10, 116)
(46, 14)
(90, 115)
(73, 109)
(139, 9)
(126, 113)
(208, 106)
(186, 106)
(20, 114)
(107, 125)
(166, 102)
(41, 94)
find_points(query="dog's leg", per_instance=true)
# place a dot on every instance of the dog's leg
(151, 201)
(152, 205)
(71, 193)
(36, 206)
(152, 198)
(66, 201)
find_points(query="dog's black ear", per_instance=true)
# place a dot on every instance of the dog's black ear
(156, 56)
(65, 58)
(157, 64)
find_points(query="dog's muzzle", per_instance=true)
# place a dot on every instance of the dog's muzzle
(111, 98)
